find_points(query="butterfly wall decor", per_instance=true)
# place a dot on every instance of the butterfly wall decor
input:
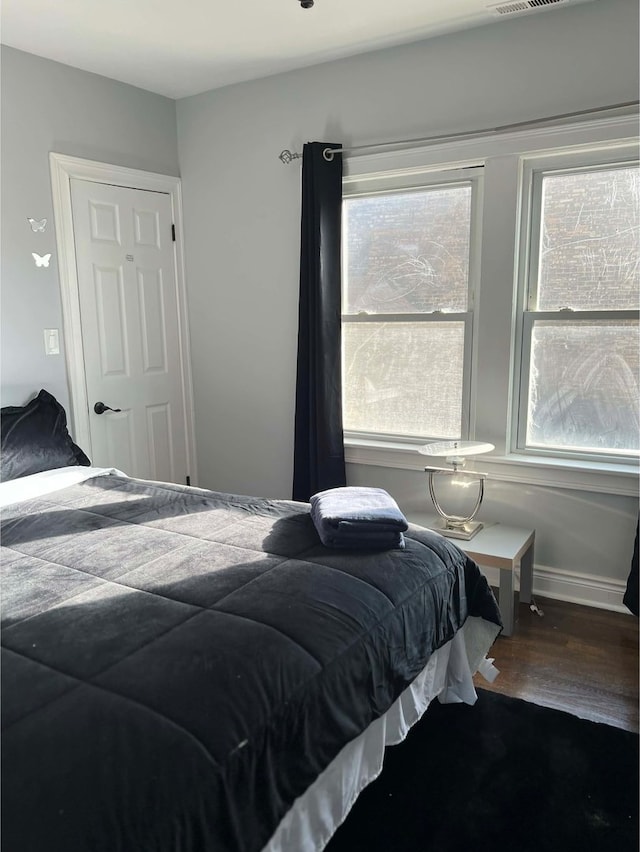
(37, 224)
(41, 261)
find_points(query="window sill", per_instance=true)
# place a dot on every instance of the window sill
(597, 477)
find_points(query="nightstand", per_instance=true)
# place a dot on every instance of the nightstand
(509, 549)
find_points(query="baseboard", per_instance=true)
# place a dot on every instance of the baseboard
(571, 586)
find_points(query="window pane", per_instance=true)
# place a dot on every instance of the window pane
(407, 252)
(403, 378)
(584, 386)
(589, 246)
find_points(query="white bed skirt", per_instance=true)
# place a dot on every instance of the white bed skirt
(315, 816)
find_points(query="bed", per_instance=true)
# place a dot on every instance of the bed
(185, 670)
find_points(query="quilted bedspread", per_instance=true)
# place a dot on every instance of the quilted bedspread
(178, 665)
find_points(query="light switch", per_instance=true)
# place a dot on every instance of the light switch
(51, 341)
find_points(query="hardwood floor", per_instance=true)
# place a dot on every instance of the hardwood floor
(574, 658)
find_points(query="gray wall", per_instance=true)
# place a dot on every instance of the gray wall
(242, 230)
(47, 106)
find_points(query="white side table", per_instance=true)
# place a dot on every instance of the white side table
(498, 546)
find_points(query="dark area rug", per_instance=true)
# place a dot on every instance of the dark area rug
(503, 775)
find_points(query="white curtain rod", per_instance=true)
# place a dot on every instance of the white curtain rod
(505, 128)
(287, 156)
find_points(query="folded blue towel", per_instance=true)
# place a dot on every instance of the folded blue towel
(367, 518)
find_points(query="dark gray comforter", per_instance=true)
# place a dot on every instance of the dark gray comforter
(179, 665)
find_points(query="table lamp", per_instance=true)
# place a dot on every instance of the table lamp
(455, 453)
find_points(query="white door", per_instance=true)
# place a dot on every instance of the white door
(130, 329)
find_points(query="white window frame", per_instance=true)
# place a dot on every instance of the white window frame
(498, 312)
(386, 184)
(535, 169)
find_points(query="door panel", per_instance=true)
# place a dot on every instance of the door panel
(160, 445)
(153, 327)
(147, 228)
(119, 437)
(110, 307)
(130, 329)
(105, 223)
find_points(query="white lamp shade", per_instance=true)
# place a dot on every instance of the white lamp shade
(455, 448)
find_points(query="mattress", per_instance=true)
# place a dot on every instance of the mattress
(180, 667)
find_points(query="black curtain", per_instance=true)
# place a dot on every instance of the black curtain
(318, 446)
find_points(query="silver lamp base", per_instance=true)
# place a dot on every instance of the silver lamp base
(452, 526)
(461, 531)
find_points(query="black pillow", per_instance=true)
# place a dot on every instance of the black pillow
(35, 438)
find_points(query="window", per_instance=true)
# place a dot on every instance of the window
(408, 268)
(490, 290)
(580, 346)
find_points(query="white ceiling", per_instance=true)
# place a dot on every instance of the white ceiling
(182, 47)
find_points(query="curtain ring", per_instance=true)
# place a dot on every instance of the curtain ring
(328, 154)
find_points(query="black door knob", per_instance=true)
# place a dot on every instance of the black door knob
(100, 408)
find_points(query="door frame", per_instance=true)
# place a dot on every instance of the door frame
(63, 168)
